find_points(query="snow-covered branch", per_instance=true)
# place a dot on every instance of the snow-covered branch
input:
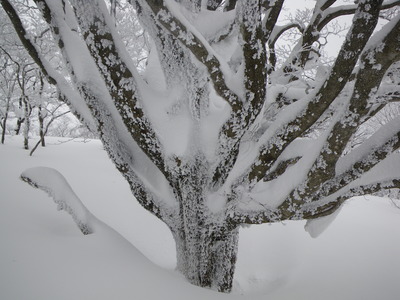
(118, 77)
(383, 53)
(364, 23)
(362, 159)
(204, 140)
(271, 16)
(23, 35)
(343, 10)
(255, 80)
(55, 185)
(168, 16)
(93, 95)
(117, 149)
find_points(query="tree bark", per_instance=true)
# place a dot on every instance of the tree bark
(206, 248)
(41, 127)
(27, 112)
(19, 124)
(4, 121)
(207, 260)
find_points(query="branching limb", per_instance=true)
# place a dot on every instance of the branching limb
(118, 77)
(315, 210)
(53, 118)
(357, 38)
(384, 53)
(196, 44)
(269, 21)
(274, 36)
(22, 34)
(121, 157)
(214, 4)
(322, 16)
(360, 166)
(255, 79)
(335, 12)
(105, 124)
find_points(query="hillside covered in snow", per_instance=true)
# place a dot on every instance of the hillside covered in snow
(43, 254)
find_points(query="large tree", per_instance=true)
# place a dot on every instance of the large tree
(218, 130)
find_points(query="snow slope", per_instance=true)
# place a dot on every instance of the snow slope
(43, 254)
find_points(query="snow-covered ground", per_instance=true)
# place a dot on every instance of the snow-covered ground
(43, 255)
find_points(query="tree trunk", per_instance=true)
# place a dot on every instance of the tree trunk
(206, 260)
(19, 124)
(4, 121)
(3, 133)
(206, 249)
(41, 126)
(27, 112)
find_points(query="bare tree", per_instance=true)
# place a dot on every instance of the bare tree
(210, 136)
(7, 88)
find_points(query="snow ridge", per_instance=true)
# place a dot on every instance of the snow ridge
(56, 186)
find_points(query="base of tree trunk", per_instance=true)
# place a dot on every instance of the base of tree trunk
(208, 262)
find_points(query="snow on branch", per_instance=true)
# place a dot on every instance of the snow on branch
(273, 10)
(358, 110)
(358, 37)
(372, 188)
(93, 95)
(120, 154)
(343, 10)
(361, 160)
(255, 80)
(56, 186)
(118, 77)
(168, 16)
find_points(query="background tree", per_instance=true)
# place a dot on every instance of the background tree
(26, 99)
(7, 88)
(215, 132)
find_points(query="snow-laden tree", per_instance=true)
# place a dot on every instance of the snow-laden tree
(218, 131)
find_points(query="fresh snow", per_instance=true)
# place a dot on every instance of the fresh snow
(43, 254)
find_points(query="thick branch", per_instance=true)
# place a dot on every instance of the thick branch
(120, 156)
(271, 17)
(118, 78)
(198, 46)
